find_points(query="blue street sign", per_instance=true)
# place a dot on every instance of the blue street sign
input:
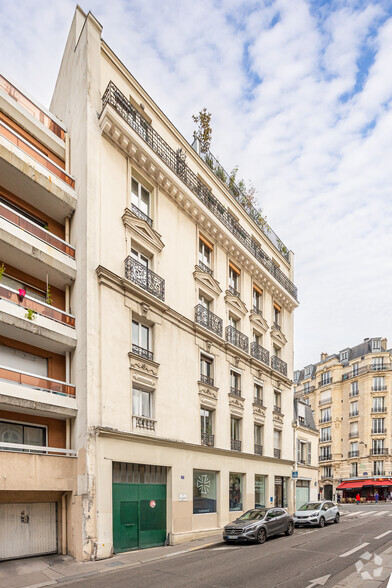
(294, 475)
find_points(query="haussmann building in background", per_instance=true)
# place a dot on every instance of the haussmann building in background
(350, 395)
(171, 346)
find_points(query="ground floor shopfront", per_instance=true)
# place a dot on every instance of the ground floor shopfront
(367, 489)
(151, 492)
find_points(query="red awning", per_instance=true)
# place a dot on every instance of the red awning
(378, 483)
(350, 485)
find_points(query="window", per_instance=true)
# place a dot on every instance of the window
(307, 371)
(14, 432)
(355, 369)
(277, 438)
(378, 468)
(277, 401)
(141, 403)
(234, 279)
(258, 393)
(378, 446)
(378, 404)
(23, 361)
(354, 429)
(325, 397)
(277, 315)
(354, 409)
(235, 382)
(325, 452)
(306, 387)
(354, 469)
(354, 389)
(257, 299)
(205, 253)
(258, 437)
(235, 425)
(377, 425)
(258, 339)
(343, 355)
(325, 378)
(15, 284)
(206, 427)
(140, 339)
(233, 322)
(377, 363)
(142, 259)
(376, 344)
(204, 301)
(206, 369)
(301, 451)
(259, 491)
(235, 491)
(325, 415)
(204, 491)
(378, 383)
(354, 449)
(327, 472)
(140, 197)
(325, 434)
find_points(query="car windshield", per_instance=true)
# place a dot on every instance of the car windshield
(311, 506)
(253, 515)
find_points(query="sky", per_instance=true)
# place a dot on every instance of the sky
(300, 93)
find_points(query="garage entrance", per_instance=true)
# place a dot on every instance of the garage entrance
(27, 529)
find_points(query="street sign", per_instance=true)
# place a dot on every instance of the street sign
(294, 475)
(153, 503)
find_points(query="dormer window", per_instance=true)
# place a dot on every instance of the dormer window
(307, 371)
(344, 356)
(376, 344)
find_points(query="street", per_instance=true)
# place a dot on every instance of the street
(311, 557)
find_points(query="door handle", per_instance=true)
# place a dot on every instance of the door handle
(129, 524)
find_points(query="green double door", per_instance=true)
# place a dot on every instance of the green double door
(139, 516)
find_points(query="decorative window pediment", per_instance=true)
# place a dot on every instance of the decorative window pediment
(235, 303)
(278, 335)
(142, 232)
(258, 320)
(207, 281)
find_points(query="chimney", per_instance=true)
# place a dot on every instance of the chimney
(384, 344)
(324, 356)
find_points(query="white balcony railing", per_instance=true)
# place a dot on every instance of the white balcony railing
(20, 447)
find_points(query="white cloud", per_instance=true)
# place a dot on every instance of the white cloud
(318, 153)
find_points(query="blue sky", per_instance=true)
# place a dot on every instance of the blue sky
(300, 93)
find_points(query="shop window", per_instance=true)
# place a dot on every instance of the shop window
(204, 491)
(236, 492)
(260, 492)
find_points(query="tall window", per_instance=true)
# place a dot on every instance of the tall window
(354, 469)
(257, 338)
(142, 403)
(378, 404)
(378, 383)
(258, 393)
(234, 279)
(206, 427)
(325, 378)
(258, 439)
(355, 369)
(376, 344)
(235, 432)
(325, 415)
(377, 425)
(257, 299)
(377, 363)
(14, 432)
(354, 389)
(327, 472)
(235, 491)
(135, 254)
(307, 371)
(378, 446)
(140, 338)
(325, 434)
(277, 315)
(204, 491)
(277, 401)
(306, 387)
(235, 382)
(277, 443)
(206, 369)
(354, 408)
(354, 429)
(325, 452)
(354, 449)
(205, 253)
(233, 322)
(378, 468)
(140, 197)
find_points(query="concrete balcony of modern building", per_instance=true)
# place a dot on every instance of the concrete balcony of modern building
(35, 250)
(26, 319)
(23, 391)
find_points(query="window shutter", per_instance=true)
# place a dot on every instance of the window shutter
(298, 450)
(309, 454)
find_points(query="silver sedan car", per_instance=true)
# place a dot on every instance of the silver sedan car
(317, 514)
(258, 524)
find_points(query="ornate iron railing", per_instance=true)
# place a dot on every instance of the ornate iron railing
(353, 393)
(236, 445)
(237, 338)
(277, 453)
(257, 310)
(258, 401)
(277, 409)
(279, 365)
(234, 292)
(376, 409)
(145, 353)
(139, 274)
(325, 420)
(205, 268)
(325, 382)
(326, 457)
(379, 431)
(207, 439)
(258, 352)
(208, 319)
(379, 451)
(353, 413)
(206, 379)
(277, 326)
(354, 453)
(176, 162)
(367, 368)
(235, 391)
(140, 214)
(258, 449)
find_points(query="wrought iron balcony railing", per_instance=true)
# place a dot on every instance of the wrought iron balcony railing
(140, 214)
(258, 352)
(353, 413)
(386, 366)
(277, 326)
(354, 453)
(140, 275)
(379, 451)
(326, 439)
(237, 338)
(206, 379)
(208, 319)
(325, 382)
(277, 409)
(325, 420)
(205, 268)
(175, 161)
(379, 431)
(258, 449)
(326, 457)
(235, 391)
(234, 292)
(279, 365)
(257, 310)
(207, 439)
(353, 393)
(235, 445)
(145, 353)
(353, 434)
(258, 401)
(379, 388)
(379, 409)
(277, 453)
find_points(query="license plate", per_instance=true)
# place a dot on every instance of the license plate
(229, 537)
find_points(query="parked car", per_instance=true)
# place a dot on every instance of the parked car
(258, 524)
(317, 514)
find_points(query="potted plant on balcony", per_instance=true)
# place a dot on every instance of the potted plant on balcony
(49, 298)
(2, 270)
(21, 294)
(30, 314)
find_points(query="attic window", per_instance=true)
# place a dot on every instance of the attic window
(343, 355)
(376, 344)
(307, 371)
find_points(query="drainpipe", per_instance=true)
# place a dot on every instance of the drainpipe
(295, 429)
(64, 524)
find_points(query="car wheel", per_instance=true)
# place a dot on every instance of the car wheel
(337, 518)
(290, 529)
(321, 522)
(261, 536)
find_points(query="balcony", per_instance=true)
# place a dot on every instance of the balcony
(279, 365)
(206, 380)
(325, 401)
(366, 369)
(354, 453)
(353, 414)
(140, 214)
(353, 434)
(377, 409)
(144, 423)
(141, 352)
(326, 457)
(325, 477)
(42, 450)
(234, 292)
(353, 393)
(205, 268)
(114, 99)
(235, 445)
(258, 402)
(326, 439)
(257, 310)
(325, 420)
(207, 439)
(26, 390)
(277, 453)
(304, 391)
(379, 431)
(258, 449)
(237, 338)
(277, 326)
(235, 391)
(258, 352)
(208, 319)
(379, 388)
(277, 409)
(325, 382)
(378, 451)
(139, 274)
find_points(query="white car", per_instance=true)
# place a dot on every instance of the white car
(316, 514)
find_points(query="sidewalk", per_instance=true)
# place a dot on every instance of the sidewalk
(50, 570)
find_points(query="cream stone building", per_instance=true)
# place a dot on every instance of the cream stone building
(350, 395)
(306, 436)
(183, 413)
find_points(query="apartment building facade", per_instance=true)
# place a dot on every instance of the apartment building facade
(183, 308)
(306, 442)
(349, 393)
(38, 401)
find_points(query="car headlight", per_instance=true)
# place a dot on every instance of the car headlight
(251, 528)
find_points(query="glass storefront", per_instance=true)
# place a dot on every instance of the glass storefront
(204, 491)
(281, 491)
(259, 491)
(301, 493)
(236, 491)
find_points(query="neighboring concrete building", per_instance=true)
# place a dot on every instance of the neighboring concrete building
(38, 402)
(350, 394)
(306, 453)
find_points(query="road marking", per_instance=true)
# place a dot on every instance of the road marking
(380, 513)
(354, 550)
(365, 514)
(390, 582)
(352, 514)
(383, 534)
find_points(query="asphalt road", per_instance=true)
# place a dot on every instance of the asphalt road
(283, 561)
